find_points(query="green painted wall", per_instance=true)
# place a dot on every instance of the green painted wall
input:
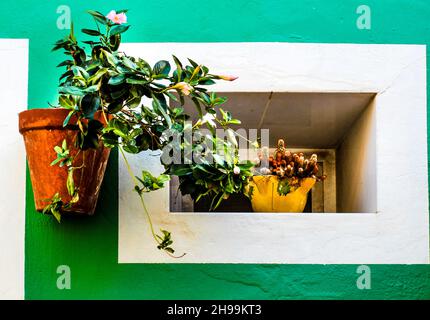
(89, 245)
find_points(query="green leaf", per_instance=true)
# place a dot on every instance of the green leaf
(98, 16)
(115, 106)
(66, 121)
(159, 109)
(206, 82)
(131, 149)
(76, 91)
(114, 42)
(151, 183)
(91, 89)
(79, 55)
(205, 97)
(136, 81)
(126, 61)
(110, 139)
(202, 168)
(91, 43)
(193, 63)
(179, 171)
(75, 198)
(80, 72)
(170, 250)
(245, 165)
(53, 163)
(66, 74)
(198, 107)
(93, 64)
(58, 149)
(162, 67)
(162, 179)
(133, 102)
(283, 187)
(225, 115)
(65, 63)
(89, 104)
(70, 183)
(54, 207)
(91, 32)
(234, 121)
(56, 213)
(119, 29)
(178, 68)
(217, 201)
(66, 102)
(100, 73)
(113, 61)
(117, 80)
(171, 96)
(118, 128)
(118, 92)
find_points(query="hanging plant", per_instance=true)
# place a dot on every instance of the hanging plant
(100, 107)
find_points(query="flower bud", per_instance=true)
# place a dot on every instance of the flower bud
(236, 170)
(228, 78)
(184, 87)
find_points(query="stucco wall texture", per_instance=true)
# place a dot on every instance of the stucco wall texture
(89, 246)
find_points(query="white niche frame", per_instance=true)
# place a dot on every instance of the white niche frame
(397, 234)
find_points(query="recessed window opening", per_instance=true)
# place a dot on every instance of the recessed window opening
(338, 127)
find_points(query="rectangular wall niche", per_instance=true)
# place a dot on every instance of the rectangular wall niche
(322, 101)
(339, 127)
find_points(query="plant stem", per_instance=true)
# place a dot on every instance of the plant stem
(104, 115)
(149, 219)
(136, 183)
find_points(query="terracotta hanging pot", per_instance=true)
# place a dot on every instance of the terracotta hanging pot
(42, 130)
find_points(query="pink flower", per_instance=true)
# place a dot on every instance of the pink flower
(184, 87)
(228, 78)
(119, 18)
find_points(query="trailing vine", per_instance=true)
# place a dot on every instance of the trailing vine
(99, 78)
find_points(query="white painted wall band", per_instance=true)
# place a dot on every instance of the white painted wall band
(398, 233)
(13, 93)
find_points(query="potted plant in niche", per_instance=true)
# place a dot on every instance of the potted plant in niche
(281, 182)
(100, 107)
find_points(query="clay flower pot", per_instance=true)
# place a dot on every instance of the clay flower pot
(265, 197)
(42, 130)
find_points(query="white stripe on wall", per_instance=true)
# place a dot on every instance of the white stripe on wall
(397, 234)
(13, 94)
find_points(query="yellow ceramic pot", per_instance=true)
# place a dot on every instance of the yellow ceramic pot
(265, 197)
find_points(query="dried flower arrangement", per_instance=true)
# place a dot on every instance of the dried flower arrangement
(291, 171)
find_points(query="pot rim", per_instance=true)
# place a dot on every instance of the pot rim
(38, 119)
(48, 119)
